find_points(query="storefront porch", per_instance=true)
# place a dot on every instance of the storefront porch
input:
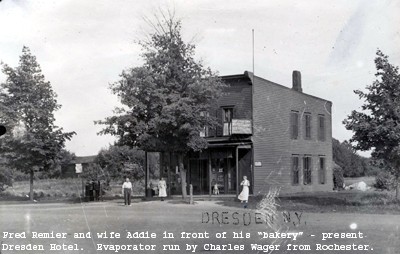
(213, 172)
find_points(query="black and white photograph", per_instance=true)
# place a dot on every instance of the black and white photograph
(173, 126)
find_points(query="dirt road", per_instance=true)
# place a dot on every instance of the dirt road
(148, 227)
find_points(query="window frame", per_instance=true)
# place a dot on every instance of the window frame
(307, 126)
(321, 127)
(295, 170)
(307, 170)
(294, 125)
(205, 132)
(322, 170)
(227, 131)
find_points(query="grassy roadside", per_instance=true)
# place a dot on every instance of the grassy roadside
(44, 189)
(369, 202)
(352, 201)
(372, 201)
(369, 180)
(59, 189)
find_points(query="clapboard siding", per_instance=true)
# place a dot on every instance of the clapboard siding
(272, 142)
(237, 93)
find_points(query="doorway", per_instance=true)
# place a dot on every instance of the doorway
(199, 176)
(245, 167)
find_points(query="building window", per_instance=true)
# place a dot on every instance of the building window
(205, 131)
(321, 127)
(227, 116)
(322, 170)
(307, 126)
(307, 170)
(294, 124)
(295, 170)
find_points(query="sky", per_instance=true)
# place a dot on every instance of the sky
(83, 46)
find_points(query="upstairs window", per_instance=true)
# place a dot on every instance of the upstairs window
(294, 124)
(205, 131)
(295, 170)
(321, 127)
(307, 170)
(227, 115)
(307, 126)
(322, 170)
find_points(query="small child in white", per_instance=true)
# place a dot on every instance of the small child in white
(216, 190)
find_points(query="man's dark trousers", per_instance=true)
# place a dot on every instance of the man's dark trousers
(127, 196)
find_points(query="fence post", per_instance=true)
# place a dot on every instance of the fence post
(83, 189)
(191, 194)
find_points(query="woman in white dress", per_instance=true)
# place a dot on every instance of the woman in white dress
(244, 195)
(162, 189)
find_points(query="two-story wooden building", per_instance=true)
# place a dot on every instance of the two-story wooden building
(273, 134)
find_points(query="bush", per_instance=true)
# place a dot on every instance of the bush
(20, 176)
(372, 170)
(384, 181)
(5, 178)
(338, 179)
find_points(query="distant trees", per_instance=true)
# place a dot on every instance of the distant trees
(352, 164)
(121, 161)
(118, 162)
(377, 126)
(95, 173)
(65, 158)
(27, 106)
(165, 97)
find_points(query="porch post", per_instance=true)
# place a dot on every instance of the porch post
(209, 173)
(169, 173)
(252, 168)
(237, 170)
(161, 161)
(146, 179)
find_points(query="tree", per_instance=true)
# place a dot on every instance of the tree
(94, 173)
(27, 104)
(65, 158)
(120, 161)
(377, 127)
(345, 156)
(165, 97)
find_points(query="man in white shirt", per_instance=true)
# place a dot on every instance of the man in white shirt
(127, 191)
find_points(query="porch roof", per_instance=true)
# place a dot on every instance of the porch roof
(213, 145)
(233, 139)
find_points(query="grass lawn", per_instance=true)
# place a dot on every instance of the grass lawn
(45, 189)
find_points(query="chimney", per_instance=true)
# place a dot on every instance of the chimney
(297, 81)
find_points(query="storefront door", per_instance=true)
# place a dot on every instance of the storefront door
(223, 171)
(198, 176)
